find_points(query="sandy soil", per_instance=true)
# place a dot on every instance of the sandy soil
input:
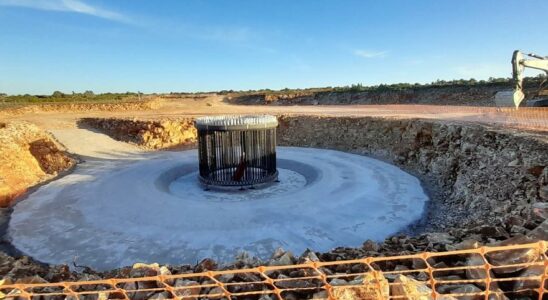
(91, 145)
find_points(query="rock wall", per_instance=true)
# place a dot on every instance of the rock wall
(481, 95)
(476, 175)
(29, 156)
(162, 134)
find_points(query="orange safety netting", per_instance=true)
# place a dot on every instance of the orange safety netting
(483, 273)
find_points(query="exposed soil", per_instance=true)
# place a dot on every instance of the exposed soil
(162, 134)
(29, 156)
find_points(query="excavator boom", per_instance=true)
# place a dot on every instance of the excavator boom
(519, 63)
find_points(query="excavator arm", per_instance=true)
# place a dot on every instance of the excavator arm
(541, 63)
(519, 63)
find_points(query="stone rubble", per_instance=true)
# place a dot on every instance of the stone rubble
(344, 284)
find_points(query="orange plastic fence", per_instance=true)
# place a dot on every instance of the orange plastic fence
(506, 272)
(535, 118)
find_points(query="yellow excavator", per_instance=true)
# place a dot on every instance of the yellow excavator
(516, 96)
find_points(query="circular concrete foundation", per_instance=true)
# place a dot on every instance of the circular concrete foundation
(152, 208)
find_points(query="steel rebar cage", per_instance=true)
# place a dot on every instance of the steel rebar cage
(237, 150)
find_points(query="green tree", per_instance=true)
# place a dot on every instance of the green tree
(89, 94)
(57, 94)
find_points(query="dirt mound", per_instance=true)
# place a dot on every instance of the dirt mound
(29, 156)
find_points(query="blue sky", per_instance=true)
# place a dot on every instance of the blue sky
(186, 45)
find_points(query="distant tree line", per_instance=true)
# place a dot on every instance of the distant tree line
(57, 96)
(492, 81)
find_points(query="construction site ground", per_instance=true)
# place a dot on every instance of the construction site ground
(531, 124)
(535, 119)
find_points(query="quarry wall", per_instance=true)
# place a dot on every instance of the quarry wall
(469, 95)
(481, 174)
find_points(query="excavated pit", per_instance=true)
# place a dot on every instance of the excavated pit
(483, 182)
(152, 208)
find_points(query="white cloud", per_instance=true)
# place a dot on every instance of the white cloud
(370, 54)
(73, 6)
